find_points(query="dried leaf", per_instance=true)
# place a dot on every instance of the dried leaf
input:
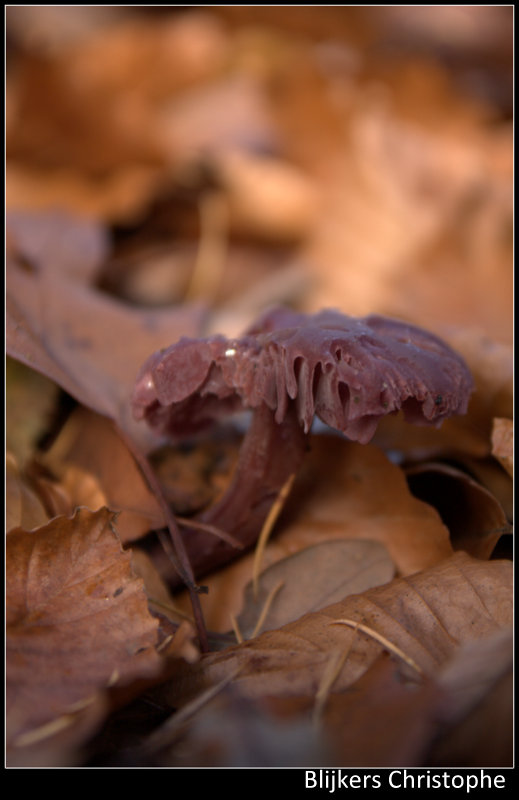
(428, 616)
(479, 712)
(503, 443)
(89, 443)
(357, 721)
(313, 578)
(470, 675)
(49, 328)
(77, 620)
(474, 517)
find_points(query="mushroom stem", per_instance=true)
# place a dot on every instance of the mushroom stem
(270, 453)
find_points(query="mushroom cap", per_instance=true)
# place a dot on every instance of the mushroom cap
(349, 372)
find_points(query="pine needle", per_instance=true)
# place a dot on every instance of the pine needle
(266, 608)
(269, 523)
(236, 629)
(393, 648)
(330, 675)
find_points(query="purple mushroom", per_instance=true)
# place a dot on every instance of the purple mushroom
(288, 368)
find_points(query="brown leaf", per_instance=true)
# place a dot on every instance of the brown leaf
(503, 443)
(479, 713)
(50, 328)
(89, 443)
(358, 720)
(77, 620)
(311, 579)
(474, 517)
(427, 616)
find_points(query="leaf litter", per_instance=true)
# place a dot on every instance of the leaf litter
(379, 599)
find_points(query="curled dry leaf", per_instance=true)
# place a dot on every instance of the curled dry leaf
(473, 515)
(89, 443)
(77, 621)
(427, 616)
(503, 443)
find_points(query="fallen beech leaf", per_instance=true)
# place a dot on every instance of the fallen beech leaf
(49, 328)
(428, 616)
(357, 721)
(352, 491)
(314, 578)
(479, 713)
(89, 443)
(503, 443)
(77, 620)
(473, 671)
(424, 717)
(474, 517)
(60, 243)
(490, 474)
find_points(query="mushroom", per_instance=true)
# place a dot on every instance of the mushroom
(288, 368)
